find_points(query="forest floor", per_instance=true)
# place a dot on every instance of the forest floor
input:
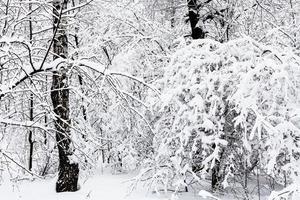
(103, 186)
(100, 187)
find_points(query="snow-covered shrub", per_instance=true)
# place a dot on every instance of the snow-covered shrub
(226, 106)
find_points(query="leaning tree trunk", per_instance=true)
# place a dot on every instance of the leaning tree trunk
(68, 170)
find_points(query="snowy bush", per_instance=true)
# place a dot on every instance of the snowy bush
(226, 106)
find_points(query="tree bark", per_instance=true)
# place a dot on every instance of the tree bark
(68, 170)
(197, 32)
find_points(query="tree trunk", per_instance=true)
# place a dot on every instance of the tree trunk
(68, 171)
(197, 32)
(30, 135)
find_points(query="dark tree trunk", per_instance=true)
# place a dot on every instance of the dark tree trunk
(197, 32)
(82, 106)
(30, 135)
(68, 171)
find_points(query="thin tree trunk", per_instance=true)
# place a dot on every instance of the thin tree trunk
(45, 118)
(30, 140)
(68, 170)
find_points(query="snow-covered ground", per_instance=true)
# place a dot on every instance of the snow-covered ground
(106, 185)
(102, 186)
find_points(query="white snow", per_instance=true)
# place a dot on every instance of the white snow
(206, 195)
(102, 186)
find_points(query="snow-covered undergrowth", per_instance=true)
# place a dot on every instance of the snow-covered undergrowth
(229, 110)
